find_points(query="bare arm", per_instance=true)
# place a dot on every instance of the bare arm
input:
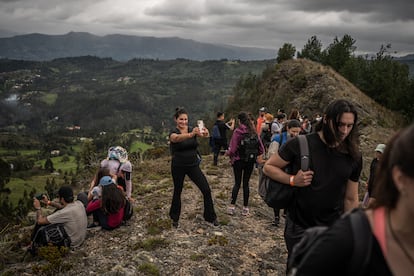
(274, 169)
(39, 217)
(351, 196)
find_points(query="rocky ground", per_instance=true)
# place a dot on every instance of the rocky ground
(148, 245)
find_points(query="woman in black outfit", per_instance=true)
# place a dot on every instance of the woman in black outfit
(185, 161)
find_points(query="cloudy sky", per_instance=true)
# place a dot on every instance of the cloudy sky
(257, 23)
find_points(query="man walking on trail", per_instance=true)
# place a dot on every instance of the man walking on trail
(260, 120)
(330, 187)
(220, 140)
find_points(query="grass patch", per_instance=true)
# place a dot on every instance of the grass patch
(139, 146)
(49, 98)
(54, 257)
(220, 240)
(155, 227)
(149, 269)
(58, 164)
(150, 244)
(198, 257)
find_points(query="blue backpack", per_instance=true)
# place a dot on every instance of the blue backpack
(216, 132)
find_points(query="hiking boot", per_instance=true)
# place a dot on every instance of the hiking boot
(215, 223)
(276, 222)
(245, 211)
(231, 210)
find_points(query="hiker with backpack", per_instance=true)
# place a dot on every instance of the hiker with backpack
(219, 135)
(244, 151)
(266, 130)
(108, 209)
(330, 187)
(292, 130)
(186, 161)
(69, 213)
(278, 124)
(389, 248)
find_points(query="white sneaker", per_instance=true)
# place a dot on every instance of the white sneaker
(231, 210)
(245, 211)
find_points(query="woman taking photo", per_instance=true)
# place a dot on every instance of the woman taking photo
(185, 161)
(391, 220)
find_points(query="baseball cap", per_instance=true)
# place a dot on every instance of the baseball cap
(106, 180)
(263, 109)
(380, 148)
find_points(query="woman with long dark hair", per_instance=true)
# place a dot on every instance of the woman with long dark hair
(109, 209)
(242, 167)
(185, 161)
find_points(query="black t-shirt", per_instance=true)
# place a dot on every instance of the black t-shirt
(184, 153)
(333, 254)
(223, 129)
(322, 202)
(372, 170)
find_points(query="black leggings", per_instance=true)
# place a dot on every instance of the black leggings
(242, 171)
(197, 176)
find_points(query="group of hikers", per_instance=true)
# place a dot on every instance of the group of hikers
(107, 203)
(324, 194)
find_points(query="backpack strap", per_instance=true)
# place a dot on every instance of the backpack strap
(120, 164)
(362, 234)
(379, 228)
(304, 152)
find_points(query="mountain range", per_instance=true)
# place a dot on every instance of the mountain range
(42, 47)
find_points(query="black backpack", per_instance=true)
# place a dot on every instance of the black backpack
(249, 147)
(362, 244)
(50, 234)
(266, 135)
(128, 211)
(279, 195)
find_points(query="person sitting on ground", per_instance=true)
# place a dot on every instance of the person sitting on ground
(71, 213)
(391, 220)
(109, 209)
(118, 164)
(95, 191)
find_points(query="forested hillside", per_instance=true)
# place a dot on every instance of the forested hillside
(102, 94)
